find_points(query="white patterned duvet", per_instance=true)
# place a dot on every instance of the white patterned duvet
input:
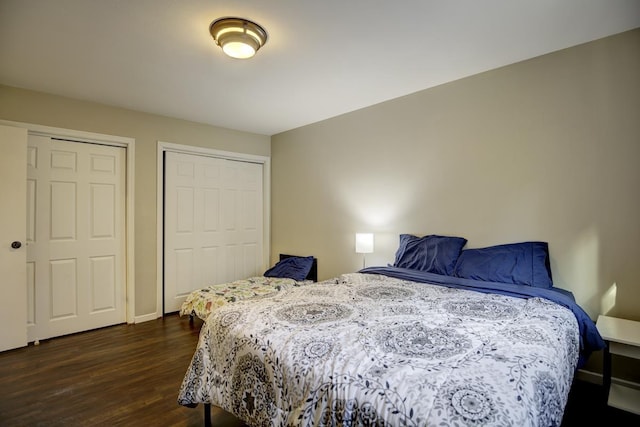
(374, 350)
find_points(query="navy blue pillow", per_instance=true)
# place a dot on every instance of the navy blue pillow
(296, 268)
(433, 254)
(525, 263)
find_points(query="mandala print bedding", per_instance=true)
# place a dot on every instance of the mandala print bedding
(202, 301)
(374, 350)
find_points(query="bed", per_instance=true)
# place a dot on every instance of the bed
(289, 271)
(416, 343)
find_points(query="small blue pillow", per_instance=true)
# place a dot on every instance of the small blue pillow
(433, 254)
(296, 268)
(525, 263)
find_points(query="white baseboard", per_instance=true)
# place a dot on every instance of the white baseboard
(596, 378)
(589, 376)
(145, 317)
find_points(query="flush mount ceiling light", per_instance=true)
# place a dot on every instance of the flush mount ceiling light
(238, 38)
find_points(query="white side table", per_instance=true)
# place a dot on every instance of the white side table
(623, 338)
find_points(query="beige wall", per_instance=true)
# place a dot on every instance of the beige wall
(48, 110)
(546, 149)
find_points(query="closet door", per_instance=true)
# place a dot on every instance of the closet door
(213, 223)
(76, 257)
(13, 297)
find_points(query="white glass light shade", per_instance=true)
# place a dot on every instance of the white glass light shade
(238, 50)
(364, 243)
(238, 38)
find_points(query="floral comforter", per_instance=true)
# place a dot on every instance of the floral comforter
(375, 350)
(202, 301)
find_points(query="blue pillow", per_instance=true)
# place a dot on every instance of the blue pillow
(525, 263)
(296, 268)
(433, 254)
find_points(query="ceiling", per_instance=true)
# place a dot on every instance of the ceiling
(323, 58)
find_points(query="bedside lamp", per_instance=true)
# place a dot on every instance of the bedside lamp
(364, 245)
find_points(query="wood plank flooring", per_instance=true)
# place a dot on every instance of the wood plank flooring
(121, 375)
(129, 375)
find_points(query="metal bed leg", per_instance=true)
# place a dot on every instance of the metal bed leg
(207, 415)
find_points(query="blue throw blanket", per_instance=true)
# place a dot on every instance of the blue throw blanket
(590, 339)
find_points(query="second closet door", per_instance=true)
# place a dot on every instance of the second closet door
(213, 223)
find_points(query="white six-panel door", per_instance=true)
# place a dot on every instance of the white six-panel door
(213, 229)
(76, 236)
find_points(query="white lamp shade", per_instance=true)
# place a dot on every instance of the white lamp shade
(364, 243)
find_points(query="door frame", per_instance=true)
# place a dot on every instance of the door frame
(116, 141)
(163, 147)
(13, 261)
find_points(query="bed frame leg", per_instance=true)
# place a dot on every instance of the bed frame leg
(207, 415)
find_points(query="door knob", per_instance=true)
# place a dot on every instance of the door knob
(16, 245)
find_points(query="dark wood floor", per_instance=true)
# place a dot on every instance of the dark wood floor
(130, 375)
(586, 407)
(122, 375)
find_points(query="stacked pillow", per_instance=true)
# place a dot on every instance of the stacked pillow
(433, 254)
(525, 263)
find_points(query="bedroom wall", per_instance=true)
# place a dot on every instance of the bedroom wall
(546, 149)
(43, 109)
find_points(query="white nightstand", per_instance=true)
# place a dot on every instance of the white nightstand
(623, 338)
